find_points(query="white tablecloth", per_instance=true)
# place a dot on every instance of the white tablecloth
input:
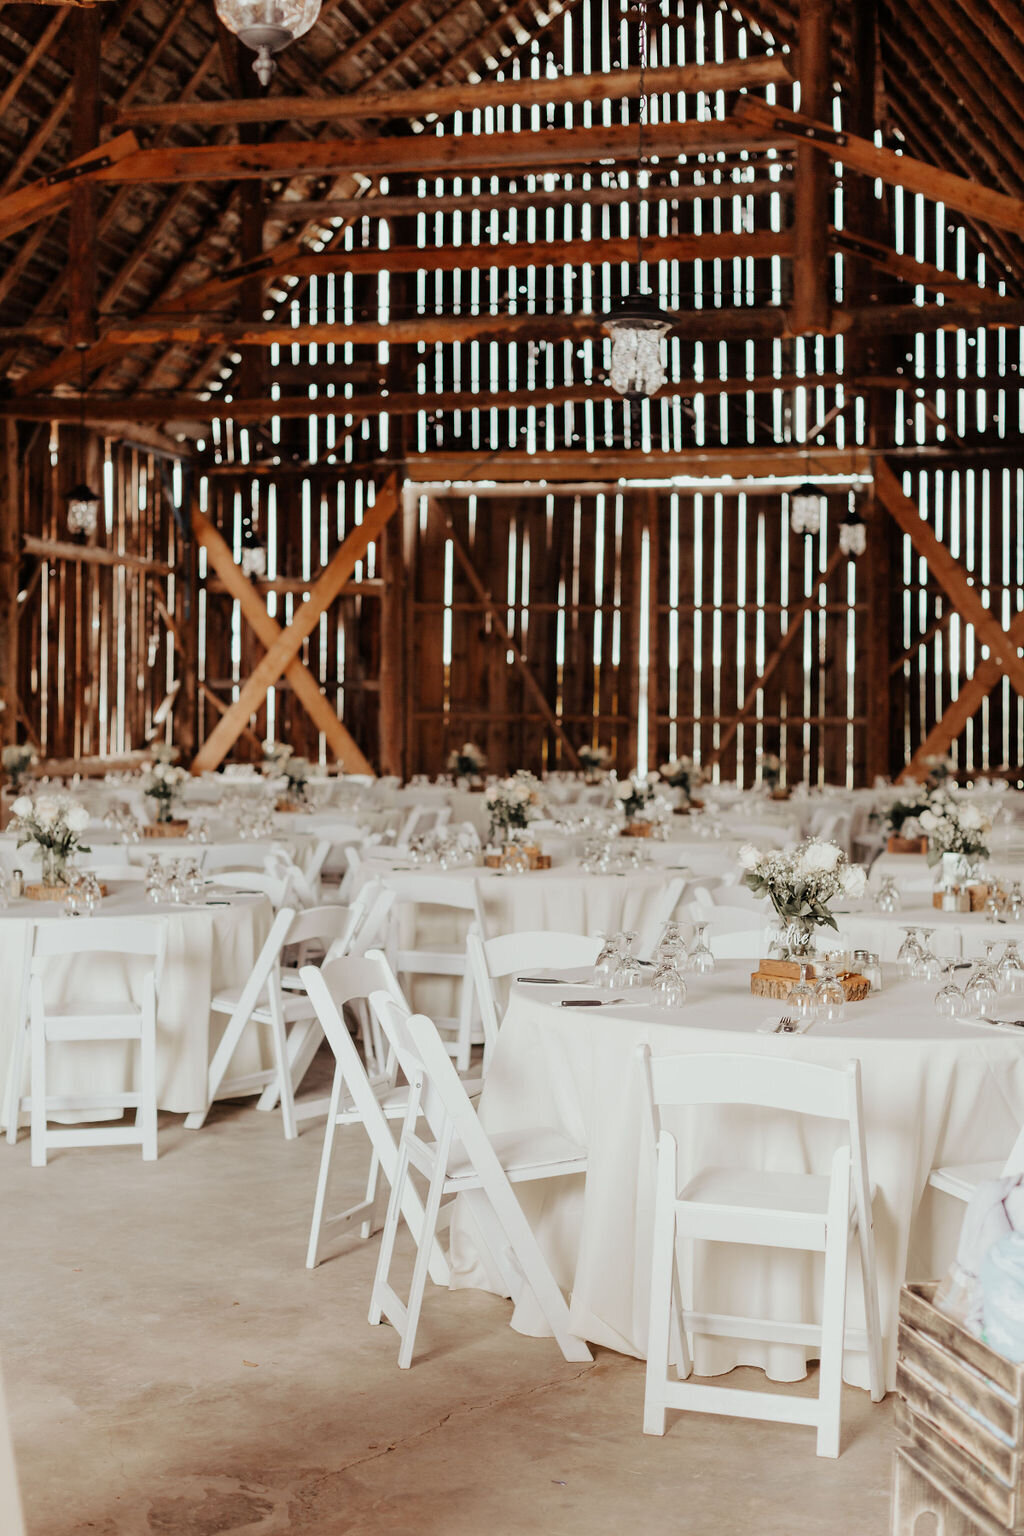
(208, 948)
(935, 1092)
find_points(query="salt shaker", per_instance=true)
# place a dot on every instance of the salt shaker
(16, 886)
(868, 965)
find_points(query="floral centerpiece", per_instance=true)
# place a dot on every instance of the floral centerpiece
(771, 770)
(940, 768)
(635, 796)
(275, 755)
(467, 761)
(957, 835)
(163, 783)
(512, 804)
(594, 760)
(801, 883)
(16, 761)
(56, 822)
(296, 775)
(683, 773)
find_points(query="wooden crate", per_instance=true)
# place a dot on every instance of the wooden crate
(919, 1488)
(907, 845)
(948, 1383)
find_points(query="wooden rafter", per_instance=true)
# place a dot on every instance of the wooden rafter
(282, 653)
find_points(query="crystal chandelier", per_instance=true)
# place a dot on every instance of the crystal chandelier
(82, 502)
(636, 324)
(805, 508)
(253, 556)
(267, 26)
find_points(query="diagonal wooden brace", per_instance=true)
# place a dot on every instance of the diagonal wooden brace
(283, 645)
(1002, 660)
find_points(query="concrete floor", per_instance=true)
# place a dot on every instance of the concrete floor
(173, 1370)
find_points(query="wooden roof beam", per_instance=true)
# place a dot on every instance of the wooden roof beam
(966, 196)
(440, 101)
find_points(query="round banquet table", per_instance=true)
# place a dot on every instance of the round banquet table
(209, 947)
(935, 1092)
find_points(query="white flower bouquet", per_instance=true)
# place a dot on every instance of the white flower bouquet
(275, 755)
(953, 826)
(467, 761)
(594, 759)
(161, 752)
(636, 796)
(163, 783)
(771, 769)
(801, 882)
(56, 822)
(683, 773)
(939, 767)
(512, 804)
(16, 760)
(296, 775)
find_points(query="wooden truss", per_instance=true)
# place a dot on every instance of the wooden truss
(283, 645)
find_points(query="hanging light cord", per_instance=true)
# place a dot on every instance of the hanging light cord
(640, 125)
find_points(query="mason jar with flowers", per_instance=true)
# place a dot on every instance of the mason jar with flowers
(163, 783)
(467, 762)
(635, 796)
(55, 822)
(16, 760)
(512, 804)
(683, 773)
(594, 761)
(275, 756)
(801, 883)
(958, 834)
(295, 772)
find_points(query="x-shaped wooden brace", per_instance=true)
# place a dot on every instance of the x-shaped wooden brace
(283, 645)
(1002, 660)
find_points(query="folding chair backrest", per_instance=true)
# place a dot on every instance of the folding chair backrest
(662, 911)
(511, 952)
(443, 890)
(326, 924)
(268, 960)
(242, 880)
(114, 871)
(348, 979)
(767, 1082)
(736, 943)
(395, 1021)
(368, 916)
(234, 856)
(99, 935)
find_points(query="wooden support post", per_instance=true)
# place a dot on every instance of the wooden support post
(10, 550)
(874, 574)
(501, 632)
(811, 309)
(85, 135)
(282, 653)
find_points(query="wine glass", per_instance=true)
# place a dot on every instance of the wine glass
(1011, 969)
(979, 994)
(829, 997)
(668, 985)
(928, 967)
(909, 952)
(887, 898)
(628, 973)
(671, 945)
(702, 961)
(1015, 901)
(802, 1001)
(949, 1000)
(607, 962)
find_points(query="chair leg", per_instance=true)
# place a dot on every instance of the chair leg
(323, 1178)
(872, 1311)
(387, 1243)
(833, 1314)
(464, 1042)
(15, 1074)
(218, 1068)
(303, 1044)
(146, 1114)
(419, 1272)
(284, 1075)
(663, 1263)
(38, 1092)
(369, 1226)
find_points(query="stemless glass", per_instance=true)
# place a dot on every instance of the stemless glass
(702, 961)
(829, 997)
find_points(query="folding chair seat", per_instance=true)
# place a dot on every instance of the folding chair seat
(961, 1180)
(456, 893)
(742, 1206)
(461, 1159)
(90, 1020)
(492, 960)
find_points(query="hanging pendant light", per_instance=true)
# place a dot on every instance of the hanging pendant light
(267, 26)
(83, 503)
(805, 508)
(635, 323)
(853, 534)
(253, 556)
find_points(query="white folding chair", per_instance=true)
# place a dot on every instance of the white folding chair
(737, 944)
(961, 1179)
(115, 872)
(491, 960)
(457, 893)
(423, 818)
(662, 911)
(462, 1159)
(233, 856)
(359, 1096)
(90, 1021)
(758, 1207)
(253, 882)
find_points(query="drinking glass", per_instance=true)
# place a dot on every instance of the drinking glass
(607, 962)
(702, 961)
(74, 896)
(802, 1001)
(887, 897)
(1011, 969)
(908, 953)
(829, 997)
(1015, 901)
(928, 967)
(628, 973)
(668, 985)
(949, 1000)
(979, 994)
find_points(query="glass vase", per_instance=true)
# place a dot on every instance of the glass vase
(800, 938)
(54, 865)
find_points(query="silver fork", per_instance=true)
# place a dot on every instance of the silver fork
(786, 1025)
